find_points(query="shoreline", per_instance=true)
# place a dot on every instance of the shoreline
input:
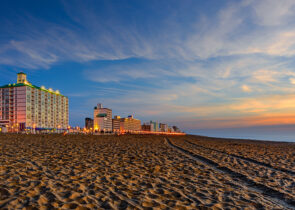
(245, 138)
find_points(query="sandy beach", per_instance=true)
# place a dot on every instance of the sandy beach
(144, 172)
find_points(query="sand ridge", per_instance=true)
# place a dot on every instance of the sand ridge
(272, 178)
(277, 154)
(112, 172)
(277, 195)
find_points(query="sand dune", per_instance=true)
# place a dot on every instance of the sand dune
(123, 172)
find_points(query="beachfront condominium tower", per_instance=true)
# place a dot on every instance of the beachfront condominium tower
(24, 106)
(102, 119)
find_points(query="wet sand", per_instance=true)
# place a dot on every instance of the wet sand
(142, 172)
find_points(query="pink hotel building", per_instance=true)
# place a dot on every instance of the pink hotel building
(24, 106)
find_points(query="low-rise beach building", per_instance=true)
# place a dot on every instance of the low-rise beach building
(163, 127)
(146, 127)
(88, 123)
(128, 124)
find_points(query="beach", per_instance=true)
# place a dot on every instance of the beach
(144, 172)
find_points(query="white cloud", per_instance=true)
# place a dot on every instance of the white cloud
(235, 31)
(264, 75)
(292, 81)
(273, 12)
(231, 32)
(246, 88)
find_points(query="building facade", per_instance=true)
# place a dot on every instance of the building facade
(102, 119)
(116, 124)
(154, 126)
(128, 124)
(88, 123)
(146, 127)
(163, 127)
(24, 106)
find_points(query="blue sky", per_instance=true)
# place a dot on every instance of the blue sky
(196, 64)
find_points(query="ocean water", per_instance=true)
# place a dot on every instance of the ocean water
(257, 133)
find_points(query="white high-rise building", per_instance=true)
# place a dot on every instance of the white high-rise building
(24, 106)
(102, 119)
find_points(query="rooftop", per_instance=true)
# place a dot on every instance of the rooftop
(32, 86)
(22, 81)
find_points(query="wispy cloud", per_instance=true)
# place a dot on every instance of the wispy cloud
(233, 31)
(273, 13)
(129, 70)
(183, 62)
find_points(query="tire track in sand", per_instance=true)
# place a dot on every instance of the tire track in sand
(275, 197)
(247, 159)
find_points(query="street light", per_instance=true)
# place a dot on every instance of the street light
(58, 128)
(34, 128)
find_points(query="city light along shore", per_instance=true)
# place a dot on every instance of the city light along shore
(28, 108)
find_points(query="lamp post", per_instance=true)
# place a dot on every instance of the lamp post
(58, 128)
(17, 127)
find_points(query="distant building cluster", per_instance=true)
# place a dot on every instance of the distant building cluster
(28, 108)
(159, 127)
(102, 122)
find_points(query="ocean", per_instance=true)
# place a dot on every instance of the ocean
(269, 133)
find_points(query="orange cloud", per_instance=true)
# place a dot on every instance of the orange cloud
(247, 112)
(266, 104)
(260, 120)
(239, 122)
(246, 88)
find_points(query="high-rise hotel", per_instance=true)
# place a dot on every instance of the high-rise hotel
(24, 106)
(102, 119)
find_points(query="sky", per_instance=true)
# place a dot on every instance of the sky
(196, 64)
